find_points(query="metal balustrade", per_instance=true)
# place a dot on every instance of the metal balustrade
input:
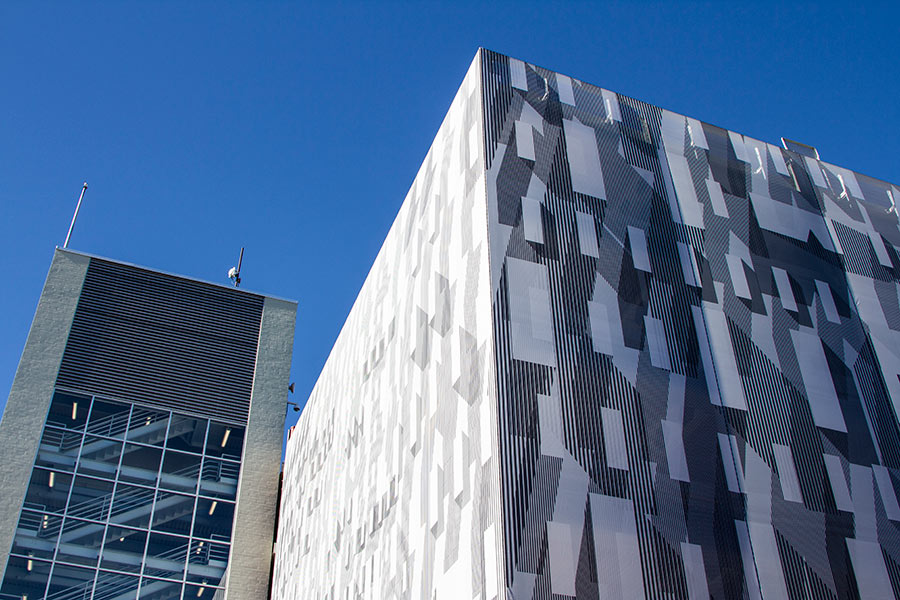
(109, 426)
(112, 586)
(209, 552)
(168, 555)
(147, 432)
(57, 438)
(94, 508)
(219, 470)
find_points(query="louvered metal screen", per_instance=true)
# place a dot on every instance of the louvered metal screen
(163, 341)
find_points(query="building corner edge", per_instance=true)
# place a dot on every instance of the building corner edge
(32, 387)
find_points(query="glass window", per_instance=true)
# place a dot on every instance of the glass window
(180, 471)
(100, 457)
(132, 505)
(25, 577)
(48, 490)
(140, 464)
(148, 426)
(173, 513)
(207, 562)
(109, 418)
(219, 478)
(77, 581)
(58, 449)
(213, 519)
(123, 549)
(187, 434)
(90, 498)
(155, 588)
(115, 586)
(69, 410)
(165, 556)
(225, 441)
(113, 501)
(79, 542)
(36, 534)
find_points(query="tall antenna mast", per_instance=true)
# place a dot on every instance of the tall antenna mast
(75, 216)
(234, 273)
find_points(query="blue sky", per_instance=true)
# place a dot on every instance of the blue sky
(295, 129)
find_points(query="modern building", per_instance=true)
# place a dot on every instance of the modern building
(142, 438)
(608, 351)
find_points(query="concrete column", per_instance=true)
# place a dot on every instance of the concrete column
(254, 520)
(32, 388)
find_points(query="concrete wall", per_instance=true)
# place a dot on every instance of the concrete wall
(32, 388)
(251, 549)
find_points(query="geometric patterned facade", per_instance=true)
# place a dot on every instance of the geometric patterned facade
(391, 481)
(608, 351)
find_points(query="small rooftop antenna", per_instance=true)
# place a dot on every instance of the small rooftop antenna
(234, 273)
(75, 216)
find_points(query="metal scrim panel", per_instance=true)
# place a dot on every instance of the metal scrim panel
(608, 351)
(163, 341)
(696, 337)
(390, 481)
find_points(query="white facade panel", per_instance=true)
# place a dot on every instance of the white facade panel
(391, 485)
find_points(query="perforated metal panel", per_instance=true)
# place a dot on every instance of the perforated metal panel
(163, 341)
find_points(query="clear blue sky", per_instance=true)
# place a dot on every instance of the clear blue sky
(296, 129)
